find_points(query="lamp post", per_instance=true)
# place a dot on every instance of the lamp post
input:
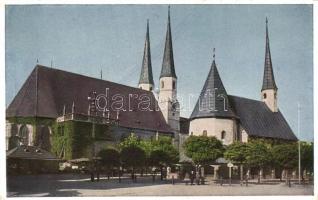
(298, 134)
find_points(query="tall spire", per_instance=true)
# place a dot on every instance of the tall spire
(146, 69)
(268, 79)
(167, 69)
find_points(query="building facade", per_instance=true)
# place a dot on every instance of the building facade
(76, 116)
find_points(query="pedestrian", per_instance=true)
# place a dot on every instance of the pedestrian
(192, 177)
(197, 178)
(187, 178)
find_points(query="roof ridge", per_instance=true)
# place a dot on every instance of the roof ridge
(98, 79)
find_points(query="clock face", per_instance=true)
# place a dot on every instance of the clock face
(174, 105)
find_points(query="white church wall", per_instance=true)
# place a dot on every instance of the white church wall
(214, 127)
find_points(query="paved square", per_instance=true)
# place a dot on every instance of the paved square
(80, 185)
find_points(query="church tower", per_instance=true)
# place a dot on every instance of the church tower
(168, 102)
(146, 78)
(269, 88)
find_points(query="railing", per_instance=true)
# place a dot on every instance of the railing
(85, 118)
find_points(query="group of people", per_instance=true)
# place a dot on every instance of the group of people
(193, 177)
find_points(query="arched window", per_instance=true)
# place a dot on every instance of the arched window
(223, 134)
(43, 137)
(162, 84)
(173, 85)
(205, 133)
(264, 95)
(24, 135)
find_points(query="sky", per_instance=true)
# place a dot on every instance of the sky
(86, 39)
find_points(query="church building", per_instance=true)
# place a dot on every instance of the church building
(76, 116)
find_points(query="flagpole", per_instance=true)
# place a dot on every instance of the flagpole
(298, 134)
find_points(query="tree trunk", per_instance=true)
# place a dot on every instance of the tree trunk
(161, 171)
(259, 176)
(241, 172)
(286, 175)
(133, 174)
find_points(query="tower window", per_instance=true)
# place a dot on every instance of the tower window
(223, 133)
(150, 88)
(205, 133)
(264, 95)
(162, 84)
(173, 85)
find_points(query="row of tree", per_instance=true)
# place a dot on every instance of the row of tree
(257, 153)
(134, 153)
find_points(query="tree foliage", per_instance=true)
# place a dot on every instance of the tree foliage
(156, 152)
(286, 155)
(133, 156)
(109, 157)
(164, 144)
(307, 156)
(203, 149)
(258, 153)
(236, 152)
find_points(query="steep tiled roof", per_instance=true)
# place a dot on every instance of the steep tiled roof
(213, 99)
(30, 152)
(268, 79)
(146, 68)
(167, 69)
(258, 120)
(47, 90)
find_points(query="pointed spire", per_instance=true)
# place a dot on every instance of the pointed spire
(167, 69)
(213, 99)
(146, 69)
(268, 78)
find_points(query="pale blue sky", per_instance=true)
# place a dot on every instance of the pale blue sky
(84, 39)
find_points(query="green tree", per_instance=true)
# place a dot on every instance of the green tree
(258, 154)
(165, 144)
(286, 156)
(110, 158)
(163, 153)
(307, 156)
(133, 157)
(202, 149)
(236, 152)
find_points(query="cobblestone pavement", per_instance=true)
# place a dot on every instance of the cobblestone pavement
(80, 185)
